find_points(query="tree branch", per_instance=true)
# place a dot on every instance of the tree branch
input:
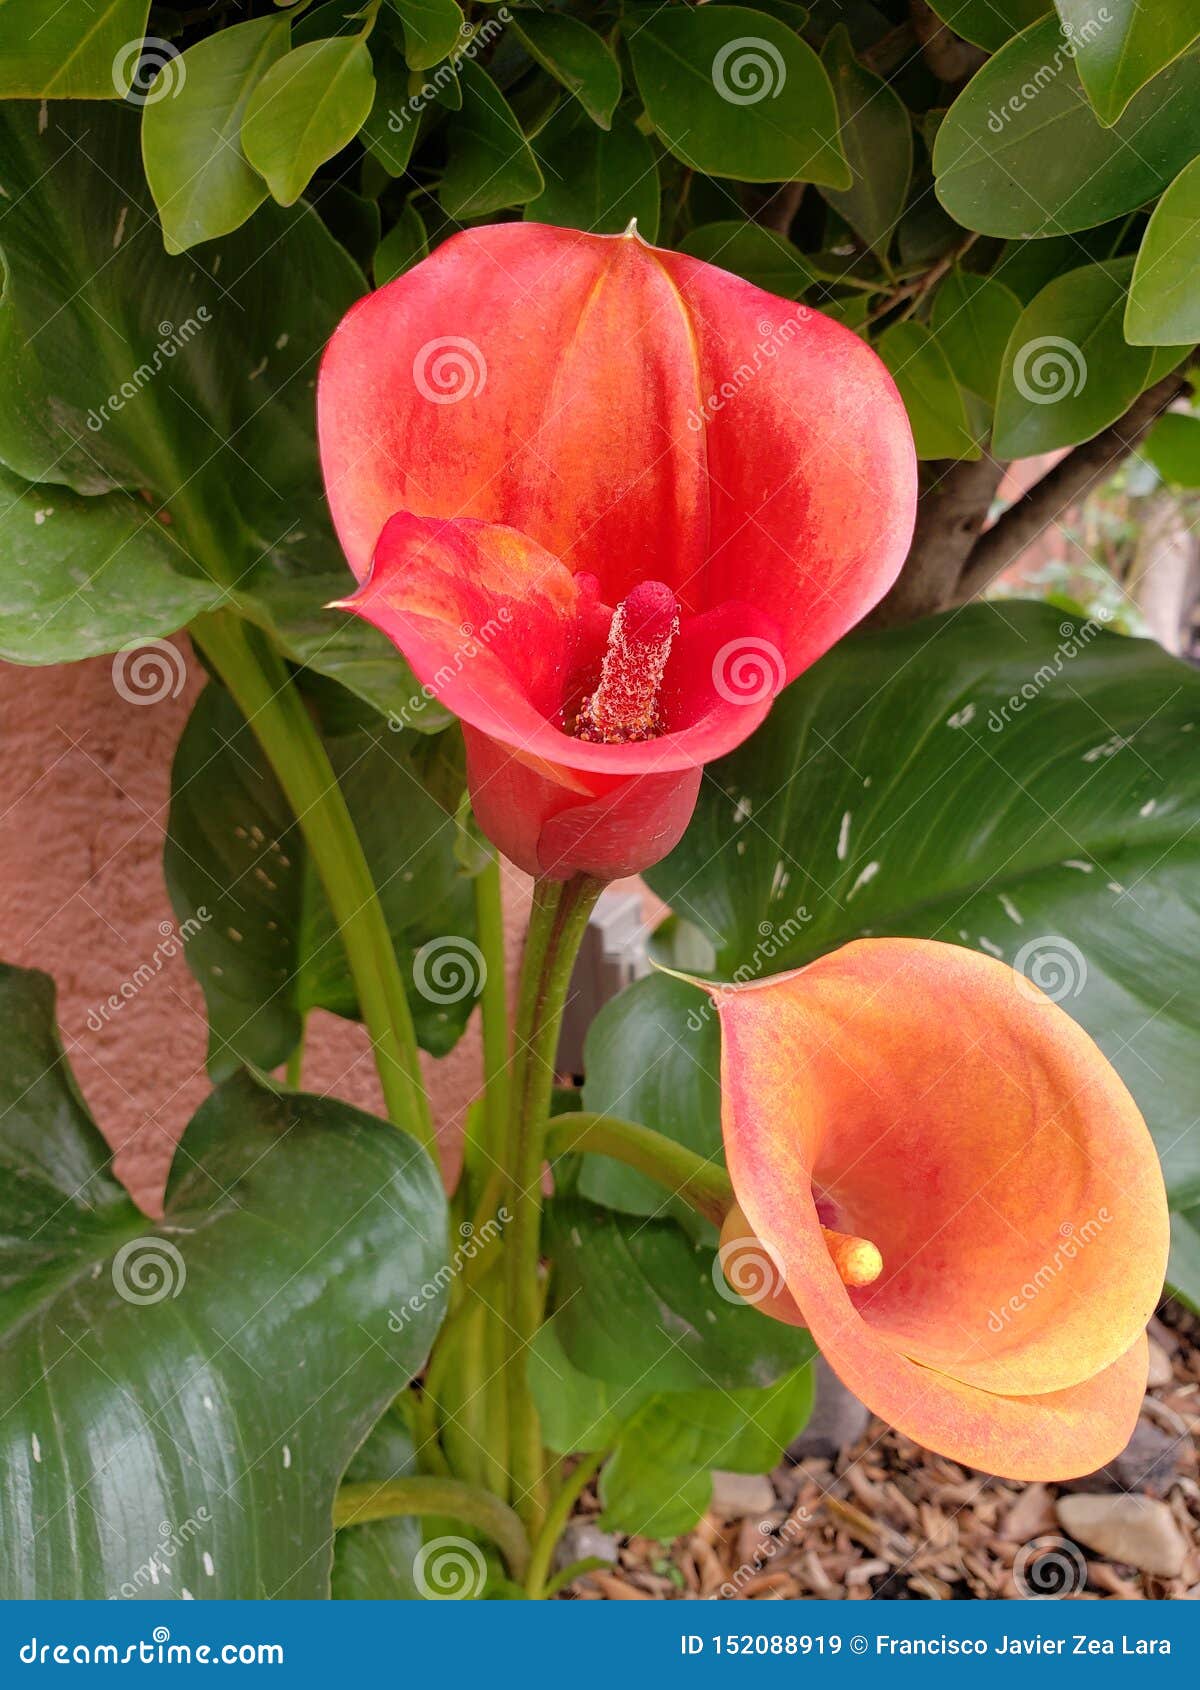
(1065, 485)
(950, 513)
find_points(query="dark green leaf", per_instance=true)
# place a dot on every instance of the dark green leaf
(1164, 300)
(760, 255)
(1121, 45)
(973, 317)
(1173, 447)
(989, 23)
(733, 92)
(1005, 778)
(575, 56)
(596, 179)
(215, 1371)
(876, 137)
(489, 163)
(191, 136)
(49, 51)
(374, 1562)
(935, 408)
(265, 948)
(404, 245)
(392, 123)
(1021, 153)
(1068, 371)
(431, 29)
(305, 109)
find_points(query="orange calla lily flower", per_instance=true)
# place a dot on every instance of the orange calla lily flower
(958, 1194)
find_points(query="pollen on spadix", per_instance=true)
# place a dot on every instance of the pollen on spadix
(857, 1260)
(625, 706)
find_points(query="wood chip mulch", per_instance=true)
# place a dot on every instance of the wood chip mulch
(891, 1521)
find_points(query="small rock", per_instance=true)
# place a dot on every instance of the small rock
(838, 1419)
(1149, 1462)
(582, 1541)
(1161, 1371)
(737, 1496)
(1136, 1530)
(1030, 1515)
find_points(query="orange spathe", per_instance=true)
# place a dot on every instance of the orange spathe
(932, 1101)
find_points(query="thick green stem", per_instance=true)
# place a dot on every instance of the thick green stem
(557, 923)
(493, 1002)
(703, 1184)
(258, 679)
(355, 1504)
(555, 1523)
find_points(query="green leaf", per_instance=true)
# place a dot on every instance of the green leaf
(575, 56)
(759, 255)
(1164, 302)
(1119, 47)
(921, 371)
(264, 945)
(216, 1370)
(1004, 777)
(973, 317)
(1068, 370)
(578, 1414)
(489, 163)
(431, 29)
(404, 245)
(876, 136)
(374, 1562)
(391, 126)
(307, 107)
(83, 576)
(1021, 153)
(653, 1054)
(989, 23)
(638, 1304)
(202, 183)
(1183, 1268)
(596, 179)
(733, 92)
(1173, 447)
(49, 51)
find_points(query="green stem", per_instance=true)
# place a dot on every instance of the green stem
(703, 1184)
(493, 1002)
(557, 922)
(556, 1520)
(356, 1504)
(255, 674)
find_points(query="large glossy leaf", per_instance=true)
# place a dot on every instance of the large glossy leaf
(48, 51)
(638, 1305)
(989, 23)
(1005, 778)
(1164, 301)
(1122, 44)
(876, 137)
(178, 1400)
(489, 164)
(596, 179)
(1068, 369)
(265, 947)
(307, 107)
(83, 576)
(202, 183)
(733, 92)
(1021, 153)
(575, 56)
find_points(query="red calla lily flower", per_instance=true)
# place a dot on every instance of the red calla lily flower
(607, 500)
(940, 1175)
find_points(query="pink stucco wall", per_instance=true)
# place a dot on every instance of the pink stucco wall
(84, 787)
